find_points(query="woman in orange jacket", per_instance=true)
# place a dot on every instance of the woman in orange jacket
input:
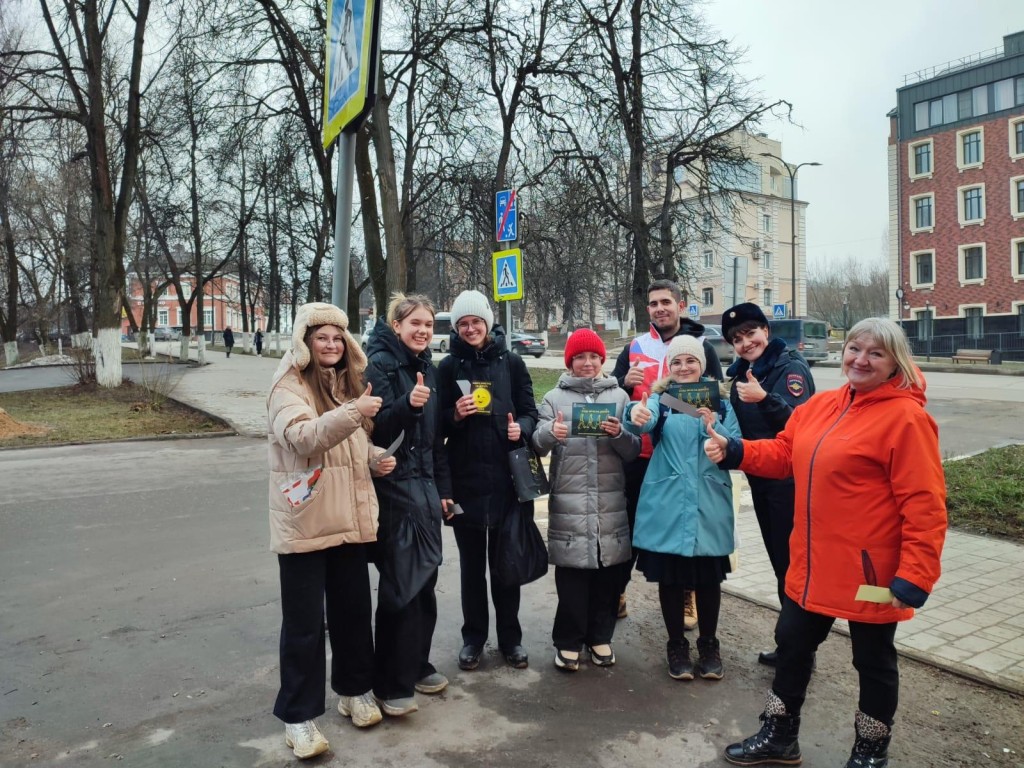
(868, 529)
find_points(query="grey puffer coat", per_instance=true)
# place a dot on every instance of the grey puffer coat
(587, 524)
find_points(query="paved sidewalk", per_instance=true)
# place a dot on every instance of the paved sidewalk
(973, 624)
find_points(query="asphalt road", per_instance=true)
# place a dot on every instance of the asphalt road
(139, 627)
(54, 376)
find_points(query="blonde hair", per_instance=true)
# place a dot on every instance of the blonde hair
(890, 337)
(401, 306)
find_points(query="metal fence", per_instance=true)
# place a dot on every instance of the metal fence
(1005, 346)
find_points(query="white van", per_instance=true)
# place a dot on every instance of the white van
(442, 329)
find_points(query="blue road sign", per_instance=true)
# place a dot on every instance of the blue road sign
(694, 311)
(778, 312)
(508, 275)
(506, 225)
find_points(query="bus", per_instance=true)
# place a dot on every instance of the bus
(806, 335)
(442, 328)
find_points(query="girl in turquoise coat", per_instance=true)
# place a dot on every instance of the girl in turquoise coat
(684, 520)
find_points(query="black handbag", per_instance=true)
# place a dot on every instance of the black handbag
(527, 473)
(522, 554)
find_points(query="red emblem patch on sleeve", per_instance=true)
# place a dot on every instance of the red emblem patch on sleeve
(795, 384)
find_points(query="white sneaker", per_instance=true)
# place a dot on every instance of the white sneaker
(362, 709)
(305, 739)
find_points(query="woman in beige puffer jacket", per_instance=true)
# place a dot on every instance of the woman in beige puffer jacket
(323, 519)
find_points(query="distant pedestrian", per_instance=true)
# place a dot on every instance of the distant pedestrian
(258, 341)
(323, 519)
(229, 339)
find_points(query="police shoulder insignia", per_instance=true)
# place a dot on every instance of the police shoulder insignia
(795, 384)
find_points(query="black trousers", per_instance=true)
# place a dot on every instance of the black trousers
(478, 548)
(635, 472)
(798, 635)
(402, 652)
(588, 602)
(773, 506)
(339, 574)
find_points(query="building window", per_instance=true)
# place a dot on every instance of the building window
(923, 159)
(1017, 197)
(768, 298)
(161, 317)
(708, 297)
(971, 204)
(922, 213)
(923, 265)
(972, 263)
(207, 317)
(1002, 95)
(970, 148)
(1016, 131)
(1017, 258)
(921, 116)
(766, 260)
(979, 97)
(975, 322)
(709, 260)
(766, 222)
(924, 323)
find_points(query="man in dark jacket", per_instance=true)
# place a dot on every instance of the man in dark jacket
(478, 446)
(769, 381)
(229, 339)
(639, 365)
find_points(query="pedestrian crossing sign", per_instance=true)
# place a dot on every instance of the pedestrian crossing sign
(508, 275)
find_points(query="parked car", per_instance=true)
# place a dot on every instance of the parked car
(524, 344)
(166, 333)
(713, 333)
(806, 335)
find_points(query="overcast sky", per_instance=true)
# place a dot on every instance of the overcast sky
(839, 64)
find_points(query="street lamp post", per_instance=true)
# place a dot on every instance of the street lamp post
(928, 319)
(791, 170)
(846, 316)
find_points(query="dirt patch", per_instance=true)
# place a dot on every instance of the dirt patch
(11, 427)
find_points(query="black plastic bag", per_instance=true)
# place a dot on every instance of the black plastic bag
(522, 554)
(527, 474)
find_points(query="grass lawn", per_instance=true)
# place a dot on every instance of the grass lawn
(544, 381)
(985, 493)
(79, 414)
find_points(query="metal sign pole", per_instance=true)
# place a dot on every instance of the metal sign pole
(343, 219)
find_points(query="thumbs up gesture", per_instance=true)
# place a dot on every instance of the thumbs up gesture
(514, 430)
(640, 414)
(560, 429)
(750, 391)
(367, 404)
(420, 393)
(715, 446)
(635, 374)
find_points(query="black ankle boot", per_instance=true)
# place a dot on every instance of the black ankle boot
(871, 749)
(775, 744)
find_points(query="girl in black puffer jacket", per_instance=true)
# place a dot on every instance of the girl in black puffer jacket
(478, 447)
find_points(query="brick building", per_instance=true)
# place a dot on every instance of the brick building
(956, 203)
(221, 306)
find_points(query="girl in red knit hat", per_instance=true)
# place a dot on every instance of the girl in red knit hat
(588, 531)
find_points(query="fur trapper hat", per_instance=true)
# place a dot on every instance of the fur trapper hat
(687, 345)
(472, 304)
(320, 313)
